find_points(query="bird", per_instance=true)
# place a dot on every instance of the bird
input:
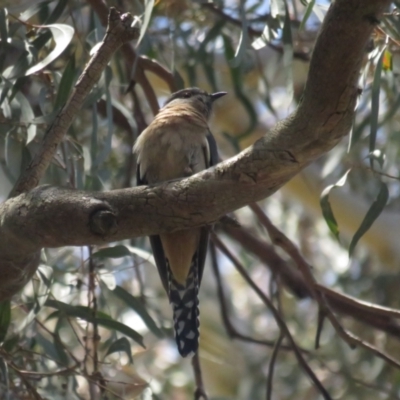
(178, 143)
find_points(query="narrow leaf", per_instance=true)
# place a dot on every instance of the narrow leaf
(112, 252)
(62, 35)
(288, 54)
(307, 14)
(105, 320)
(121, 344)
(138, 307)
(66, 83)
(326, 208)
(243, 41)
(148, 8)
(119, 327)
(372, 214)
(57, 12)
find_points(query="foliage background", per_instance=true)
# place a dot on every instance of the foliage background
(76, 329)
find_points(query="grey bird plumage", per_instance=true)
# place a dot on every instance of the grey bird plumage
(178, 143)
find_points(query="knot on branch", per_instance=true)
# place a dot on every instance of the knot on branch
(103, 222)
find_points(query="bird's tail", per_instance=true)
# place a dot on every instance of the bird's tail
(185, 305)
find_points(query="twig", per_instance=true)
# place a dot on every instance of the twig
(230, 329)
(272, 366)
(156, 68)
(92, 304)
(282, 325)
(31, 389)
(280, 239)
(119, 31)
(200, 393)
(382, 318)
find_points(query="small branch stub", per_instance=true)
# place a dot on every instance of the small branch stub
(103, 223)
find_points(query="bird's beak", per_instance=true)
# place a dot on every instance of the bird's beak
(217, 95)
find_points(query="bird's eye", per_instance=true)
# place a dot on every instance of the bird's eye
(187, 95)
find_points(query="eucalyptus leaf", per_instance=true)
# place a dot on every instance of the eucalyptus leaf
(62, 35)
(326, 208)
(122, 344)
(372, 214)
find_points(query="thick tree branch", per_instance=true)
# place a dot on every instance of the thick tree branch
(52, 217)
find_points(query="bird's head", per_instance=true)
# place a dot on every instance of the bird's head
(197, 98)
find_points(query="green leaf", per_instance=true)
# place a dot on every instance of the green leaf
(148, 8)
(66, 84)
(57, 12)
(307, 14)
(105, 320)
(288, 54)
(326, 208)
(5, 318)
(72, 311)
(51, 349)
(376, 86)
(372, 214)
(59, 348)
(138, 307)
(62, 35)
(118, 326)
(121, 344)
(32, 10)
(205, 58)
(112, 252)
(243, 40)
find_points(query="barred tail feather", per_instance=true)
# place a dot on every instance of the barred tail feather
(185, 305)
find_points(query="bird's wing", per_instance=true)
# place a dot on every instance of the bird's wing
(213, 150)
(155, 241)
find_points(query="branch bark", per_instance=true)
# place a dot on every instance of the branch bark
(53, 217)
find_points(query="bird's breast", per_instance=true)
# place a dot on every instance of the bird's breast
(169, 147)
